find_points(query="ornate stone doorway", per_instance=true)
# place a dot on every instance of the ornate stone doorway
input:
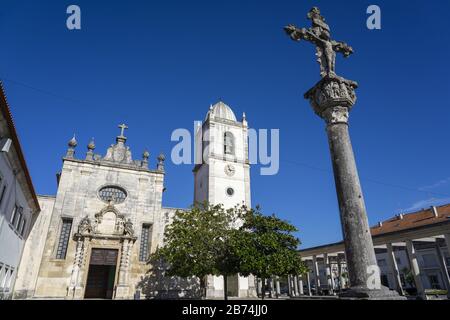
(101, 277)
(102, 258)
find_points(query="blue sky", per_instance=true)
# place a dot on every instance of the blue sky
(158, 65)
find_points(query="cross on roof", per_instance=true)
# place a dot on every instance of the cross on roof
(123, 127)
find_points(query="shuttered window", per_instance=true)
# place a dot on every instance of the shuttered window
(64, 238)
(145, 242)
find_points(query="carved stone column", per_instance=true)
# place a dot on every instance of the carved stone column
(74, 278)
(122, 291)
(332, 99)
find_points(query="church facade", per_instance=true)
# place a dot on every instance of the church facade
(93, 239)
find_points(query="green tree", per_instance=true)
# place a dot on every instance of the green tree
(197, 243)
(266, 247)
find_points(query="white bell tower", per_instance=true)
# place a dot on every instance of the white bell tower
(222, 176)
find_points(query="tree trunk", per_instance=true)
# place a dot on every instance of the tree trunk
(225, 287)
(263, 288)
(203, 286)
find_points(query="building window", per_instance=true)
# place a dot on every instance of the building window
(381, 262)
(230, 192)
(228, 143)
(429, 260)
(384, 280)
(2, 194)
(8, 279)
(434, 281)
(1, 276)
(145, 242)
(399, 261)
(22, 227)
(447, 261)
(64, 238)
(403, 280)
(16, 217)
(4, 277)
(112, 194)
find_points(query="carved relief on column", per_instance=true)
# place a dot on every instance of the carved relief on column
(76, 267)
(336, 115)
(332, 98)
(124, 262)
(82, 238)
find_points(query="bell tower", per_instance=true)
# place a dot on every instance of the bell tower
(222, 176)
(222, 173)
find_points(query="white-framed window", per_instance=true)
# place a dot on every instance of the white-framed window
(429, 260)
(382, 262)
(3, 278)
(2, 193)
(434, 281)
(17, 218)
(13, 215)
(22, 227)
(9, 278)
(2, 267)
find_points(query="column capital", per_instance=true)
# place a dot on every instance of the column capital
(332, 98)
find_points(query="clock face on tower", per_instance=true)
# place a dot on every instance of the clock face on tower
(230, 170)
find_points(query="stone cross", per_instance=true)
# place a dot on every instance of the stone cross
(332, 98)
(122, 127)
(319, 35)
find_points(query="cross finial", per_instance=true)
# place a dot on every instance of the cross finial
(319, 35)
(122, 127)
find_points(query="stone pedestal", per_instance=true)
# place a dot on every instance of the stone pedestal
(332, 99)
(122, 292)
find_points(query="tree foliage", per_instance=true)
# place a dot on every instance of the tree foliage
(196, 242)
(209, 240)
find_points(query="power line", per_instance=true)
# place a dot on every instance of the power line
(305, 165)
(386, 184)
(49, 93)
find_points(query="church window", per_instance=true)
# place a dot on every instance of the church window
(64, 238)
(145, 242)
(112, 194)
(228, 143)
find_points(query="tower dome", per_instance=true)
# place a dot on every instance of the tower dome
(221, 110)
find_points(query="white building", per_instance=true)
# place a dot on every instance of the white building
(19, 207)
(412, 253)
(223, 177)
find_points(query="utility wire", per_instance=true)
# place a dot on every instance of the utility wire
(40, 90)
(295, 163)
(386, 184)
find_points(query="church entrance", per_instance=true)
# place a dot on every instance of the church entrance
(102, 274)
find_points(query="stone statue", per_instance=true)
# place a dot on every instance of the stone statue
(85, 226)
(319, 35)
(128, 228)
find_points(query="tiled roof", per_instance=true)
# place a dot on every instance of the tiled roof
(411, 220)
